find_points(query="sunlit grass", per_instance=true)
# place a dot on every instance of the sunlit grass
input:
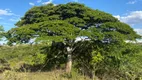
(53, 75)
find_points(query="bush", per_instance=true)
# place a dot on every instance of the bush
(19, 56)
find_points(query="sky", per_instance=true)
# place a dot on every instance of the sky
(128, 11)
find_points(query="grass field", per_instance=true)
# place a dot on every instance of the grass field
(53, 75)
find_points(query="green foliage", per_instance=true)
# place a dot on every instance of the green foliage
(55, 56)
(131, 64)
(57, 21)
(97, 57)
(104, 51)
(1, 32)
(122, 63)
(18, 56)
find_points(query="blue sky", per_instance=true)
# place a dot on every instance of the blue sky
(128, 11)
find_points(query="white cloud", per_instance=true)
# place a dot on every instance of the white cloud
(48, 2)
(39, 1)
(55, 4)
(132, 2)
(117, 16)
(134, 17)
(32, 4)
(6, 12)
(14, 19)
(139, 31)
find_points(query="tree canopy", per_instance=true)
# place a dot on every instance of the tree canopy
(68, 21)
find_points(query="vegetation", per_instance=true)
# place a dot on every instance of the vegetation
(1, 32)
(53, 75)
(21, 57)
(102, 52)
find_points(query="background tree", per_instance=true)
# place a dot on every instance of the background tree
(1, 32)
(65, 22)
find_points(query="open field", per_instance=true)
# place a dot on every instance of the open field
(53, 75)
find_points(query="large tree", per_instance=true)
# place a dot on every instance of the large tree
(65, 22)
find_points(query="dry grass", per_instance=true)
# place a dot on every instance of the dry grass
(54, 75)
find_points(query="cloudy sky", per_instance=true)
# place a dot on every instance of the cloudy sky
(128, 11)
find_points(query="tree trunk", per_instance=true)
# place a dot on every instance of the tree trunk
(69, 64)
(92, 75)
(69, 60)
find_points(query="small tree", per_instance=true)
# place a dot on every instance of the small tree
(1, 32)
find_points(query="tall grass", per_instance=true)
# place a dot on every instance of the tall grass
(53, 75)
